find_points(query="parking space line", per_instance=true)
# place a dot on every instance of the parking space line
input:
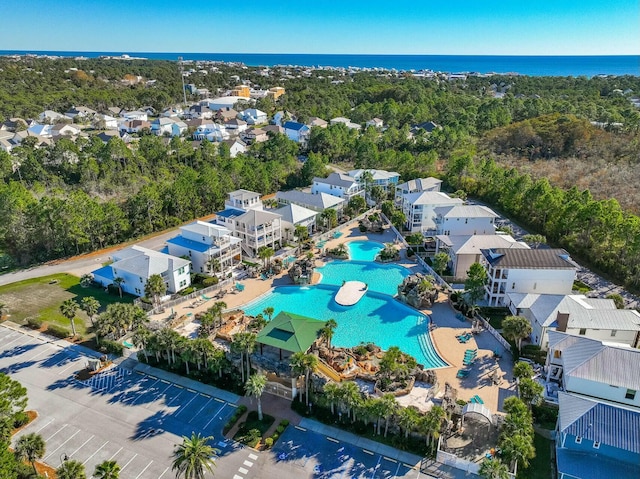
(253, 457)
(367, 452)
(192, 391)
(164, 381)
(397, 470)
(45, 350)
(134, 456)
(248, 463)
(49, 438)
(218, 399)
(44, 426)
(175, 397)
(389, 459)
(184, 406)
(115, 454)
(163, 473)
(300, 428)
(68, 439)
(242, 470)
(142, 472)
(235, 476)
(178, 386)
(205, 395)
(83, 444)
(138, 372)
(73, 363)
(214, 416)
(332, 440)
(11, 342)
(200, 410)
(143, 393)
(97, 451)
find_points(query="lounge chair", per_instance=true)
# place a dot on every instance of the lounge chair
(468, 362)
(205, 297)
(477, 399)
(470, 355)
(462, 373)
(239, 287)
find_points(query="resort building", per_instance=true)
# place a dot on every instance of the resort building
(386, 179)
(290, 333)
(244, 200)
(593, 318)
(416, 186)
(136, 264)
(519, 270)
(597, 387)
(465, 220)
(318, 202)
(337, 184)
(419, 209)
(294, 215)
(464, 250)
(211, 248)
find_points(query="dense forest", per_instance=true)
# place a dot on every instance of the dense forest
(559, 154)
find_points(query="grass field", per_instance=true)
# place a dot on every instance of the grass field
(41, 298)
(540, 466)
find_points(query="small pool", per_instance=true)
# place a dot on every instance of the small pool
(364, 250)
(376, 318)
(383, 278)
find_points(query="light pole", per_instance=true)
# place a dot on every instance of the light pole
(63, 458)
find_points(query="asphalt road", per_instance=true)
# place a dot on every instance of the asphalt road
(137, 419)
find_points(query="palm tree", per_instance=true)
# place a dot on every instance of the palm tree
(168, 340)
(431, 423)
(107, 470)
(328, 331)
(194, 457)
(68, 309)
(90, 305)
(140, 340)
(71, 470)
(217, 361)
(255, 386)
(350, 397)
(408, 419)
(245, 344)
(493, 469)
(204, 351)
(268, 312)
(155, 288)
(331, 393)
(265, 253)
(213, 264)
(188, 353)
(516, 328)
(30, 447)
(217, 309)
(518, 449)
(86, 280)
(118, 282)
(389, 407)
(306, 364)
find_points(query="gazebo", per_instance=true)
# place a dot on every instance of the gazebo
(290, 332)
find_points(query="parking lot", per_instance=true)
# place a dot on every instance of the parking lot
(133, 418)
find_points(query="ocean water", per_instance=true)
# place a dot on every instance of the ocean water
(524, 65)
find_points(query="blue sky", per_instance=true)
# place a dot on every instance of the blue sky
(465, 27)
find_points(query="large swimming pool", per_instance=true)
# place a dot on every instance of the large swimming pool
(364, 250)
(375, 318)
(383, 278)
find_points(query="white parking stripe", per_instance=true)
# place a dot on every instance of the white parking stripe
(115, 454)
(18, 338)
(83, 444)
(123, 467)
(199, 411)
(184, 406)
(142, 393)
(253, 457)
(242, 470)
(44, 350)
(248, 463)
(73, 363)
(44, 426)
(176, 397)
(47, 439)
(68, 439)
(147, 467)
(99, 449)
(214, 416)
(163, 473)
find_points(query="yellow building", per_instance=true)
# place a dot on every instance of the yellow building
(241, 90)
(276, 92)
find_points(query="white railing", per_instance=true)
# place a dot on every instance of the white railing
(328, 235)
(494, 333)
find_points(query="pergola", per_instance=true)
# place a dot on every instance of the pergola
(290, 332)
(479, 409)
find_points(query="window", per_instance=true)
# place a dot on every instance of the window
(614, 332)
(578, 440)
(596, 444)
(513, 286)
(557, 354)
(535, 285)
(141, 279)
(631, 394)
(583, 331)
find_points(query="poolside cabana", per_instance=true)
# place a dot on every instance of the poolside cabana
(477, 409)
(290, 332)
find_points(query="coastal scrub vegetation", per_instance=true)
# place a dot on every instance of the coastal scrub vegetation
(558, 154)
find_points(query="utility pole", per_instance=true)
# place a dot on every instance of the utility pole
(184, 92)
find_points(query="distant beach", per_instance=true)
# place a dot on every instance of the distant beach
(523, 65)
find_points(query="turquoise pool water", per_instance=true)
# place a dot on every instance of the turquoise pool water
(364, 250)
(376, 318)
(383, 278)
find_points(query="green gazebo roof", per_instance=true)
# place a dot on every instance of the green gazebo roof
(291, 332)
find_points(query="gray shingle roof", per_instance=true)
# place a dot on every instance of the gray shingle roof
(320, 201)
(466, 211)
(337, 179)
(529, 258)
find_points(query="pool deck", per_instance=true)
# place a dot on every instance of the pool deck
(485, 368)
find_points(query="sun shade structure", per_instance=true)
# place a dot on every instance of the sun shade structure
(291, 332)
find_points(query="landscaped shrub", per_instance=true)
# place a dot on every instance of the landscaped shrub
(362, 227)
(34, 323)
(210, 281)
(454, 297)
(20, 419)
(111, 347)
(284, 422)
(268, 442)
(234, 419)
(58, 331)
(187, 291)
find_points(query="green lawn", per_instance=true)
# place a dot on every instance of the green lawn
(41, 298)
(540, 466)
